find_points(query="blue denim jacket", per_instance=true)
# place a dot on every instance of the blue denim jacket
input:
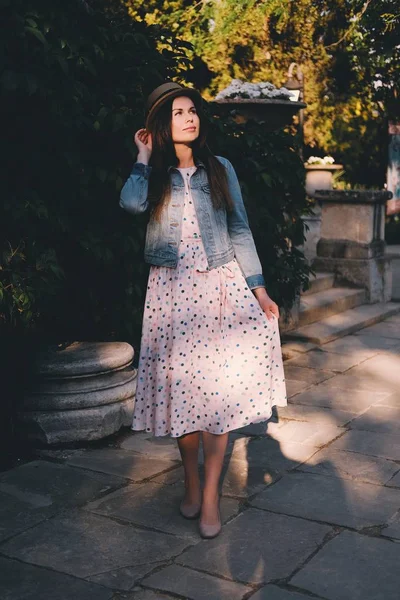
(225, 235)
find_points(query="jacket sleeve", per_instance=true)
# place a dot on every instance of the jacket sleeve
(240, 234)
(133, 196)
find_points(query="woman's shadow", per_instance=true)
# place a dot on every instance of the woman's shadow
(281, 507)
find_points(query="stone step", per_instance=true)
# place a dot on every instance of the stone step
(319, 282)
(326, 303)
(344, 323)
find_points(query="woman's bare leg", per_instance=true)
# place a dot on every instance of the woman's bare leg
(189, 449)
(214, 447)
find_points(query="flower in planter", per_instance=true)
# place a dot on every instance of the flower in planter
(253, 91)
(317, 160)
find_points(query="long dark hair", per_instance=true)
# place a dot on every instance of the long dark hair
(163, 155)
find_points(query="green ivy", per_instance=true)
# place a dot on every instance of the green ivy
(271, 174)
(73, 79)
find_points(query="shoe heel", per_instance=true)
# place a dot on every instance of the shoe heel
(208, 532)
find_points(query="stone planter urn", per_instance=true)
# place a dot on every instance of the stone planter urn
(84, 391)
(319, 177)
(275, 114)
(262, 102)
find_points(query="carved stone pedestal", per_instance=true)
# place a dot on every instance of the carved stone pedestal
(82, 392)
(312, 234)
(352, 240)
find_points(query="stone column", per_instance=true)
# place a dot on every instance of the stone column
(352, 243)
(83, 391)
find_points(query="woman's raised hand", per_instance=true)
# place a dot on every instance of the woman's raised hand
(143, 142)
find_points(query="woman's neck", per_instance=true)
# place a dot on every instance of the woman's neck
(184, 154)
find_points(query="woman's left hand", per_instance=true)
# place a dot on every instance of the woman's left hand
(270, 307)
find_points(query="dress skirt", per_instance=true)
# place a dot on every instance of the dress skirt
(210, 360)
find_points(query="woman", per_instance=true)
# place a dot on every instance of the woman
(210, 359)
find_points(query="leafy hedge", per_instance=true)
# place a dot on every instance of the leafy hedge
(73, 86)
(271, 174)
(72, 90)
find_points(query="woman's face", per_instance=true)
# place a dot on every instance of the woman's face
(185, 122)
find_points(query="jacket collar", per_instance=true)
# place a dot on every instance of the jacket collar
(197, 162)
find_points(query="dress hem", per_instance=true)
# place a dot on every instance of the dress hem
(244, 424)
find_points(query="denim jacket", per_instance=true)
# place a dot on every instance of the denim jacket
(225, 234)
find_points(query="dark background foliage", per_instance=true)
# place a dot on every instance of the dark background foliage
(73, 79)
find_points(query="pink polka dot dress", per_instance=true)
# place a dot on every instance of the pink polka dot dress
(210, 360)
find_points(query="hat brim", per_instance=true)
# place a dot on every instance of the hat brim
(189, 92)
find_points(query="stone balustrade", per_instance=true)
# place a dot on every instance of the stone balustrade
(352, 242)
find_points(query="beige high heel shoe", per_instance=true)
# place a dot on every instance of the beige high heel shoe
(191, 512)
(208, 532)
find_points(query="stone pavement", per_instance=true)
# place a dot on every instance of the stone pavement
(310, 501)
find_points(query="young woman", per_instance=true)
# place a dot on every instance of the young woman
(210, 358)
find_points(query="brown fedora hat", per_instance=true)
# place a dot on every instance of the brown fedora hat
(165, 92)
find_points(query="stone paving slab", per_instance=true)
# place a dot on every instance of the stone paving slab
(298, 346)
(145, 595)
(381, 419)
(350, 465)
(316, 414)
(330, 499)
(272, 592)
(303, 432)
(257, 429)
(359, 346)
(383, 329)
(354, 380)
(239, 479)
(295, 387)
(274, 456)
(165, 448)
(310, 376)
(393, 351)
(392, 400)
(393, 529)
(124, 579)
(367, 442)
(37, 490)
(339, 398)
(353, 566)
(83, 544)
(328, 361)
(384, 368)
(395, 481)
(193, 585)
(257, 547)
(129, 465)
(344, 323)
(381, 343)
(21, 581)
(151, 505)
(17, 515)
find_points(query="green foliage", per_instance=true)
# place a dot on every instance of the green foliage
(392, 229)
(271, 174)
(345, 48)
(74, 79)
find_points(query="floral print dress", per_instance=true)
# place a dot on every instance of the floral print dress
(210, 360)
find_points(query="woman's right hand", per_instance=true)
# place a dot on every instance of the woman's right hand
(143, 143)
